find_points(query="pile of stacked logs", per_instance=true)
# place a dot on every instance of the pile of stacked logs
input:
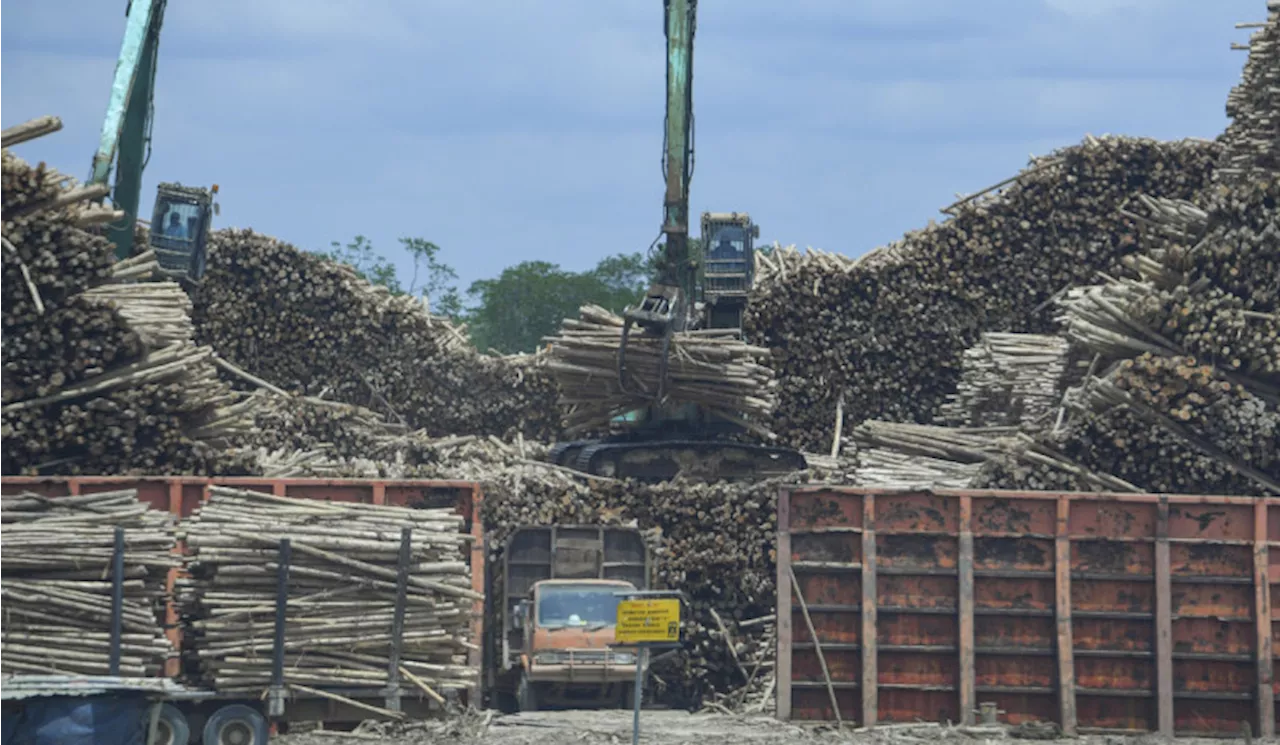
(1253, 137)
(1008, 380)
(101, 374)
(347, 566)
(712, 368)
(58, 576)
(887, 334)
(314, 327)
(1188, 394)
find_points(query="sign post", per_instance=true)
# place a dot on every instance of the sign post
(647, 620)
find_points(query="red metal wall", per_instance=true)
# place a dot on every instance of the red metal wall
(1102, 612)
(181, 495)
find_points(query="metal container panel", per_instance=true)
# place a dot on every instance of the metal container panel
(1101, 612)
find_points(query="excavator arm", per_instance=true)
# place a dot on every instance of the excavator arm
(126, 130)
(674, 440)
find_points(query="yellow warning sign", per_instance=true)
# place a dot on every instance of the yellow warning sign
(648, 620)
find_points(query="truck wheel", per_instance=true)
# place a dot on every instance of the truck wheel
(236, 724)
(172, 727)
(526, 695)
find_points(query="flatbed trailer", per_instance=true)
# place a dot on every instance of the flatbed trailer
(180, 495)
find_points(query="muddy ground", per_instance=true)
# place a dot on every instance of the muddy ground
(672, 728)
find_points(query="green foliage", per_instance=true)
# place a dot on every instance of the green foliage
(527, 302)
(514, 311)
(359, 255)
(438, 278)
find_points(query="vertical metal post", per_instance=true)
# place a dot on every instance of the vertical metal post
(397, 619)
(275, 695)
(642, 659)
(1164, 623)
(117, 602)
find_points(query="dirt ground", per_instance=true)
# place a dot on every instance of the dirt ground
(669, 728)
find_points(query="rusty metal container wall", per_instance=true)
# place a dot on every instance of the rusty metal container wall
(1101, 612)
(180, 495)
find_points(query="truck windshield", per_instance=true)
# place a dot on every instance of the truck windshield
(578, 605)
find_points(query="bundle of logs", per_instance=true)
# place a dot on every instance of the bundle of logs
(1009, 380)
(100, 371)
(314, 327)
(887, 333)
(358, 596)
(599, 379)
(913, 456)
(58, 572)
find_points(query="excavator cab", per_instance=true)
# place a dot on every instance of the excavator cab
(727, 266)
(180, 229)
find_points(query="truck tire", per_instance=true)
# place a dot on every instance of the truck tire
(172, 727)
(526, 694)
(236, 724)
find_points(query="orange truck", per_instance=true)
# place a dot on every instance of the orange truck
(559, 590)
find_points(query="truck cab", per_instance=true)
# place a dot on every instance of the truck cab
(568, 628)
(561, 586)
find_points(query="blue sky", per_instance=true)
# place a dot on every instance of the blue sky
(508, 130)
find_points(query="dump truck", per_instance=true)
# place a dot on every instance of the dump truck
(559, 588)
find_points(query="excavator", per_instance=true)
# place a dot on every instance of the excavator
(688, 292)
(181, 215)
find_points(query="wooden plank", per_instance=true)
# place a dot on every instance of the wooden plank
(1266, 719)
(870, 636)
(1164, 623)
(782, 666)
(968, 690)
(1062, 615)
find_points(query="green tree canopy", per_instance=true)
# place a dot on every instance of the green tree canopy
(513, 312)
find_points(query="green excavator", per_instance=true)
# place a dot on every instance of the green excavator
(688, 292)
(181, 217)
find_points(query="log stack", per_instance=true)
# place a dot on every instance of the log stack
(888, 332)
(1188, 394)
(342, 590)
(1253, 137)
(711, 368)
(1009, 380)
(313, 327)
(100, 371)
(892, 455)
(57, 588)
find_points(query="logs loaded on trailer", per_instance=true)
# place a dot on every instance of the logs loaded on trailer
(312, 326)
(58, 570)
(101, 374)
(1253, 136)
(712, 368)
(887, 333)
(375, 596)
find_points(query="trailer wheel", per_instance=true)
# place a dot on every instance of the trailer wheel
(236, 724)
(526, 694)
(172, 727)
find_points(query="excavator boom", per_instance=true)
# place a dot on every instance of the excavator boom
(678, 440)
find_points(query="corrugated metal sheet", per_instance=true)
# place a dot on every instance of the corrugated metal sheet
(1103, 613)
